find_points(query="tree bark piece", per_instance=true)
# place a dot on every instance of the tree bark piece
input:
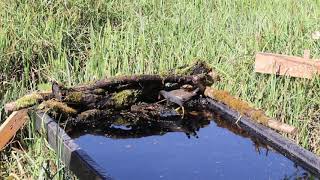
(244, 109)
(293, 66)
(10, 127)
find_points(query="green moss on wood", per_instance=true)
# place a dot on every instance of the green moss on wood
(120, 121)
(56, 106)
(125, 98)
(241, 106)
(28, 100)
(89, 114)
(74, 97)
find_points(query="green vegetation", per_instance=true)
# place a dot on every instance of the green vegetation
(28, 100)
(125, 98)
(44, 87)
(74, 97)
(239, 105)
(77, 41)
(56, 107)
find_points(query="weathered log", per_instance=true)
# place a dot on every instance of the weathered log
(27, 101)
(197, 73)
(244, 109)
(146, 86)
(57, 109)
(141, 112)
(138, 81)
(97, 95)
(89, 119)
(190, 74)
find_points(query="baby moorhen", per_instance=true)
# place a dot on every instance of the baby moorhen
(179, 96)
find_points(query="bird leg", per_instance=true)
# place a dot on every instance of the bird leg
(181, 107)
(161, 101)
(182, 112)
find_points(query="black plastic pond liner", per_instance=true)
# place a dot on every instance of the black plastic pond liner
(291, 150)
(74, 158)
(82, 165)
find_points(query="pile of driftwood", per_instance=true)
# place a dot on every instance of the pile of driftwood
(136, 99)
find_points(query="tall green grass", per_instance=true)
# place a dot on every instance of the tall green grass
(76, 41)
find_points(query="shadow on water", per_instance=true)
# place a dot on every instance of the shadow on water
(200, 146)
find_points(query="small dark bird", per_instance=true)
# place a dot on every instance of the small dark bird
(179, 96)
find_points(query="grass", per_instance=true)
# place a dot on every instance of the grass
(77, 41)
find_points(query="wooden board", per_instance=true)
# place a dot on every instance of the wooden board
(291, 150)
(76, 159)
(287, 65)
(10, 127)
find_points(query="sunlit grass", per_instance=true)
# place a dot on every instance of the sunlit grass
(77, 41)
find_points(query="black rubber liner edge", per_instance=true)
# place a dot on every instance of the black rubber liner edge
(288, 148)
(74, 158)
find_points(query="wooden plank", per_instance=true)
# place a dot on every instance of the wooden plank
(287, 65)
(306, 54)
(291, 150)
(12, 124)
(76, 159)
(280, 126)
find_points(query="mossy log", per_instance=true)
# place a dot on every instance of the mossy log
(138, 81)
(245, 109)
(117, 93)
(117, 100)
(28, 101)
(147, 85)
(197, 73)
(142, 112)
(57, 109)
(108, 92)
(137, 113)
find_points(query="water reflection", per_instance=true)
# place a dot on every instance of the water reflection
(139, 149)
(122, 127)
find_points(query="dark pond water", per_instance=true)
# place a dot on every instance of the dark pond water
(192, 148)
